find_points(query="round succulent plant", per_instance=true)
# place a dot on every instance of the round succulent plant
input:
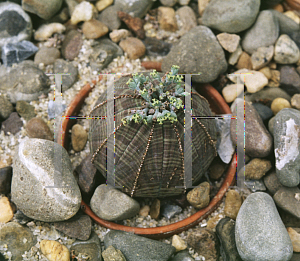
(149, 134)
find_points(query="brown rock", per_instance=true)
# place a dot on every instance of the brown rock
(229, 42)
(4, 162)
(275, 79)
(295, 237)
(257, 168)
(71, 45)
(133, 47)
(199, 197)
(213, 222)
(12, 124)
(166, 18)
(267, 72)
(37, 128)
(244, 62)
(6, 212)
(25, 110)
(272, 183)
(187, 18)
(258, 141)
(205, 243)
(78, 137)
(94, 29)
(217, 168)
(135, 24)
(155, 209)
(79, 226)
(233, 203)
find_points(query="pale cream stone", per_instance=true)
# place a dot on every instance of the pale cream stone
(117, 35)
(202, 4)
(229, 42)
(82, 12)
(144, 211)
(267, 72)
(166, 18)
(230, 92)
(102, 4)
(234, 57)
(54, 251)
(295, 237)
(178, 243)
(278, 104)
(255, 81)
(6, 212)
(45, 31)
(293, 16)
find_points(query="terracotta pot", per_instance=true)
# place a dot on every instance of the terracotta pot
(219, 106)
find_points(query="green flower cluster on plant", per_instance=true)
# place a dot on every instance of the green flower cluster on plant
(162, 95)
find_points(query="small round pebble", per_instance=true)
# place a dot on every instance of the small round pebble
(133, 47)
(278, 104)
(79, 137)
(94, 29)
(178, 243)
(54, 251)
(199, 197)
(230, 92)
(144, 211)
(47, 55)
(82, 12)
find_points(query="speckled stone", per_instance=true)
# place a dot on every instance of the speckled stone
(62, 66)
(137, 248)
(233, 203)
(6, 108)
(203, 54)
(286, 50)
(272, 183)
(259, 232)
(287, 146)
(34, 170)
(199, 197)
(110, 253)
(25, 110)
(257, 168)
(43, 8)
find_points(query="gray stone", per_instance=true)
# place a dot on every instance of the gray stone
(13, 234)
(104, 51)
(5, 179)
(286, 24)
(188, 19)
(295, 257)
(225, 232)
(15, 24)
(109, 16)
(264, 111)
(137, 248)
(25, 110)
(271, 125)
(168, 2)
(12, 124)
(267, 94)
(259, 232)
(231, 16)
(287, 146)
(295, 36)
(35, 168)
(198, 51)
(263, 33)
(286, 50)
(135, 8)
(262, 57)
(288, 200)
(62, 66)
(43, 8)
(79, 226)
(272, 183)
(255, 185)
(24, 82)
(225, 146)
(21, 218)
(6, 108)
(169, 211)
(156, 47)
(111, 204)
(289, 80)
(111, 253)
(17, 52)
(90, 247)
(182, 256)
(258, 141)
(47, 55)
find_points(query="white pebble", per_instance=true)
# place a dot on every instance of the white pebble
(45, 31)
(82, 12)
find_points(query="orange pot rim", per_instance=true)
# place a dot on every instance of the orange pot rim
(163, 231)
